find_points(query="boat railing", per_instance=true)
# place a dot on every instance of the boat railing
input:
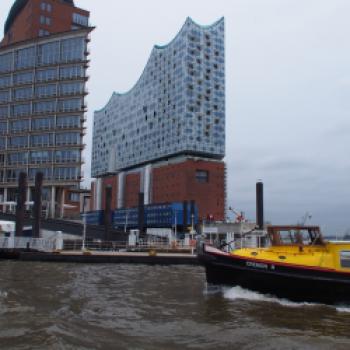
(255, 239)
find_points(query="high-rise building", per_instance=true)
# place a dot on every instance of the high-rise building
(166, 136)
(43, 62)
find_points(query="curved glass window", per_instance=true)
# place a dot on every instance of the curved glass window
(46, 90)
(38, 157)
(4, 96)
(47, 172)
(25, 58)
(68, 138)
(44, 106)
(19, 126)
(18, 141)
(43, 123)
(71, 72)
(71, 88)
(3, 128)
(22, 93)
(49, 53)
(46, 74)
(42, 140)
(67, 173)
(5, 81)
(17, 158)
(72, 49)
(6, 62)
(71, 121)
(4, 112)
(67, 156)
(70, 105)
(23, 78)
(22, 109)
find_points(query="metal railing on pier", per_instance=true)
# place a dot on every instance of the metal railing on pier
(106, 246)
(38, 244)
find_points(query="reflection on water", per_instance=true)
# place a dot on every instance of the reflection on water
(72, 306)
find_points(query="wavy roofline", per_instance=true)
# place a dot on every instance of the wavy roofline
(160, 47)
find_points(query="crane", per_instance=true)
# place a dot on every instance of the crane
(307, 216)
(239, 215)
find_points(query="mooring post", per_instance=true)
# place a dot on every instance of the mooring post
(21, 200)
(107, 216)
(37, 204)
(141, 213)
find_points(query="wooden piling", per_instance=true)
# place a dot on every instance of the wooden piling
(37, 204)
(21, 200)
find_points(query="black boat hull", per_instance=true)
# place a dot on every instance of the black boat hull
(296, 284)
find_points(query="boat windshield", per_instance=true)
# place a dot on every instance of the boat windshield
(291, 235)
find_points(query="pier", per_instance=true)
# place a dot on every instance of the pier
(71, 251)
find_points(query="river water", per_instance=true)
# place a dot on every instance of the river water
(71, 306)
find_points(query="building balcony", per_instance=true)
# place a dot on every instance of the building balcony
(66, 161)
(68, 126)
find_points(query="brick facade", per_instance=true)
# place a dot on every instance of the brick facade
(199, 180)
(132, 190)
(27, 24)
(178, 182)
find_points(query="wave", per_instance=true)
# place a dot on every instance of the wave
(246, 294)
(237, 292)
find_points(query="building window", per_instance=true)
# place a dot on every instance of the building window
(46, 74)
(45, 20)
(46, 90)
(74, 197)
(25, 58)
(6, 62)
(46, 7)
(202, 176)
(39, 157)
(22, 93)
(43, 123)
(80, 19)
(23, 78)
(42, 140)
(72, 49)
(44, 107)
(71, 72)
(43, 32)
(49, 53)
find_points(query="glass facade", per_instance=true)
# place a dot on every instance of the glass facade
(176, 107)
(41, 83)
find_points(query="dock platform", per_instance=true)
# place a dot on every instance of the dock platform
(111, 257)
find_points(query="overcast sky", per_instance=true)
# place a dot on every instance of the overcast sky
(287, 93)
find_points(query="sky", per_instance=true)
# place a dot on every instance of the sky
(287, 93)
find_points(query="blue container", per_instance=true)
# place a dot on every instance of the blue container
(156, 215)
(93, 217)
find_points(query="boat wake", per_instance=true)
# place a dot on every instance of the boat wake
(246, 294)
(237, 292)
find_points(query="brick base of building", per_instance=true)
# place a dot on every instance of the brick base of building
(187, 179)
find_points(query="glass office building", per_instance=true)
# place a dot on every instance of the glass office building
(42, 111)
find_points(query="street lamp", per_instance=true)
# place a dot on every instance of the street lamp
(84, 227)
(126, 220)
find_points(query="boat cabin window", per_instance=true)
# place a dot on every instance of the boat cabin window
(345, 258)
(294, 237)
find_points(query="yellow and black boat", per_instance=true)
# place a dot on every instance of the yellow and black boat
(296, 263)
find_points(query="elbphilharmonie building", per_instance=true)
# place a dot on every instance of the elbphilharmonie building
(168, 131)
